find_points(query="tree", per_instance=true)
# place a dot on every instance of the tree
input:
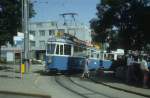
(131, 19)
(10, 19)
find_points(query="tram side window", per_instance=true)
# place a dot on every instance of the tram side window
(105, 56)
(80, 49)
(67, 49)
(110, 56)
(50, 48)
(76, 49)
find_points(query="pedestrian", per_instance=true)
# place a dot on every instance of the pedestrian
(145, 70)
(86, 69)
(129, 68)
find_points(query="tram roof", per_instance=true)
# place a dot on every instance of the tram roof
(68, 39)
(60, 40)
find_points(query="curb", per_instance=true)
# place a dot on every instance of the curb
(144, 95)
(25, 94)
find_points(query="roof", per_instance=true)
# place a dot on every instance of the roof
(60, 40)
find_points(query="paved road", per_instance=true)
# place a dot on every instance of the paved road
(73, 87)
(8, 95)
(59, 86)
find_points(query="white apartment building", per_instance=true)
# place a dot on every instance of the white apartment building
(40, 33)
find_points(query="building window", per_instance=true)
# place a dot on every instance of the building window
(51, 32)
(61, 30)
(39, 25)
(42, 33)
(32, 43)
(32, 33)
(53, 23)
(42, 44)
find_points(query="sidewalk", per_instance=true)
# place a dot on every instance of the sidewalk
(11, 83)
(110, 81)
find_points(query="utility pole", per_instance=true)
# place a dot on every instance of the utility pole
(26, 33)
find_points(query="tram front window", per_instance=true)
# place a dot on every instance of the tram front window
(67, 49)
(61, 49)
(50, 48)
(57, 49)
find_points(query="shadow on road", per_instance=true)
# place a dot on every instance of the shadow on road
(5, 68)
(10, 77)
(7, 94)
(43, 73)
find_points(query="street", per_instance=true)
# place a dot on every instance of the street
(58, 86)
(72, 87)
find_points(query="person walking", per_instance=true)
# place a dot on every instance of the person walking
(129, 69)
(86, 69)
(145, 70)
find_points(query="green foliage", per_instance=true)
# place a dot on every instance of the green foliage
(10, 19)
(131, 17)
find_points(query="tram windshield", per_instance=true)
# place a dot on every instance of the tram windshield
(62, 49)
(50, 48)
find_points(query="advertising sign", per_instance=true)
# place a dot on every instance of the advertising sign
(10, 56)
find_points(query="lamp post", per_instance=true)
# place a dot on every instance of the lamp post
(25, 6)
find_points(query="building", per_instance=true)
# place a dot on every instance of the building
(39, 33)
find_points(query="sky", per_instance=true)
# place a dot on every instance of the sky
(50, 10)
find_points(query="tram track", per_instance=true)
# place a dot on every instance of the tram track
(62, 85)
(95, 92)
(91, 93)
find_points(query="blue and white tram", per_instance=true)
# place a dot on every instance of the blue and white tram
(99, 59)
(58, 52)
(94, 61)
(63, 54)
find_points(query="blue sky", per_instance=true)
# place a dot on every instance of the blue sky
(49, 10)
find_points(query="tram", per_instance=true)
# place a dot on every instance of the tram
(99, 59)
(94, 58)
(64, 54)
(67, 54)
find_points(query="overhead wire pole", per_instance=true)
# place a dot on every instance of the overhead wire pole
(22, 10)
(26, 33)
(28, 24)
